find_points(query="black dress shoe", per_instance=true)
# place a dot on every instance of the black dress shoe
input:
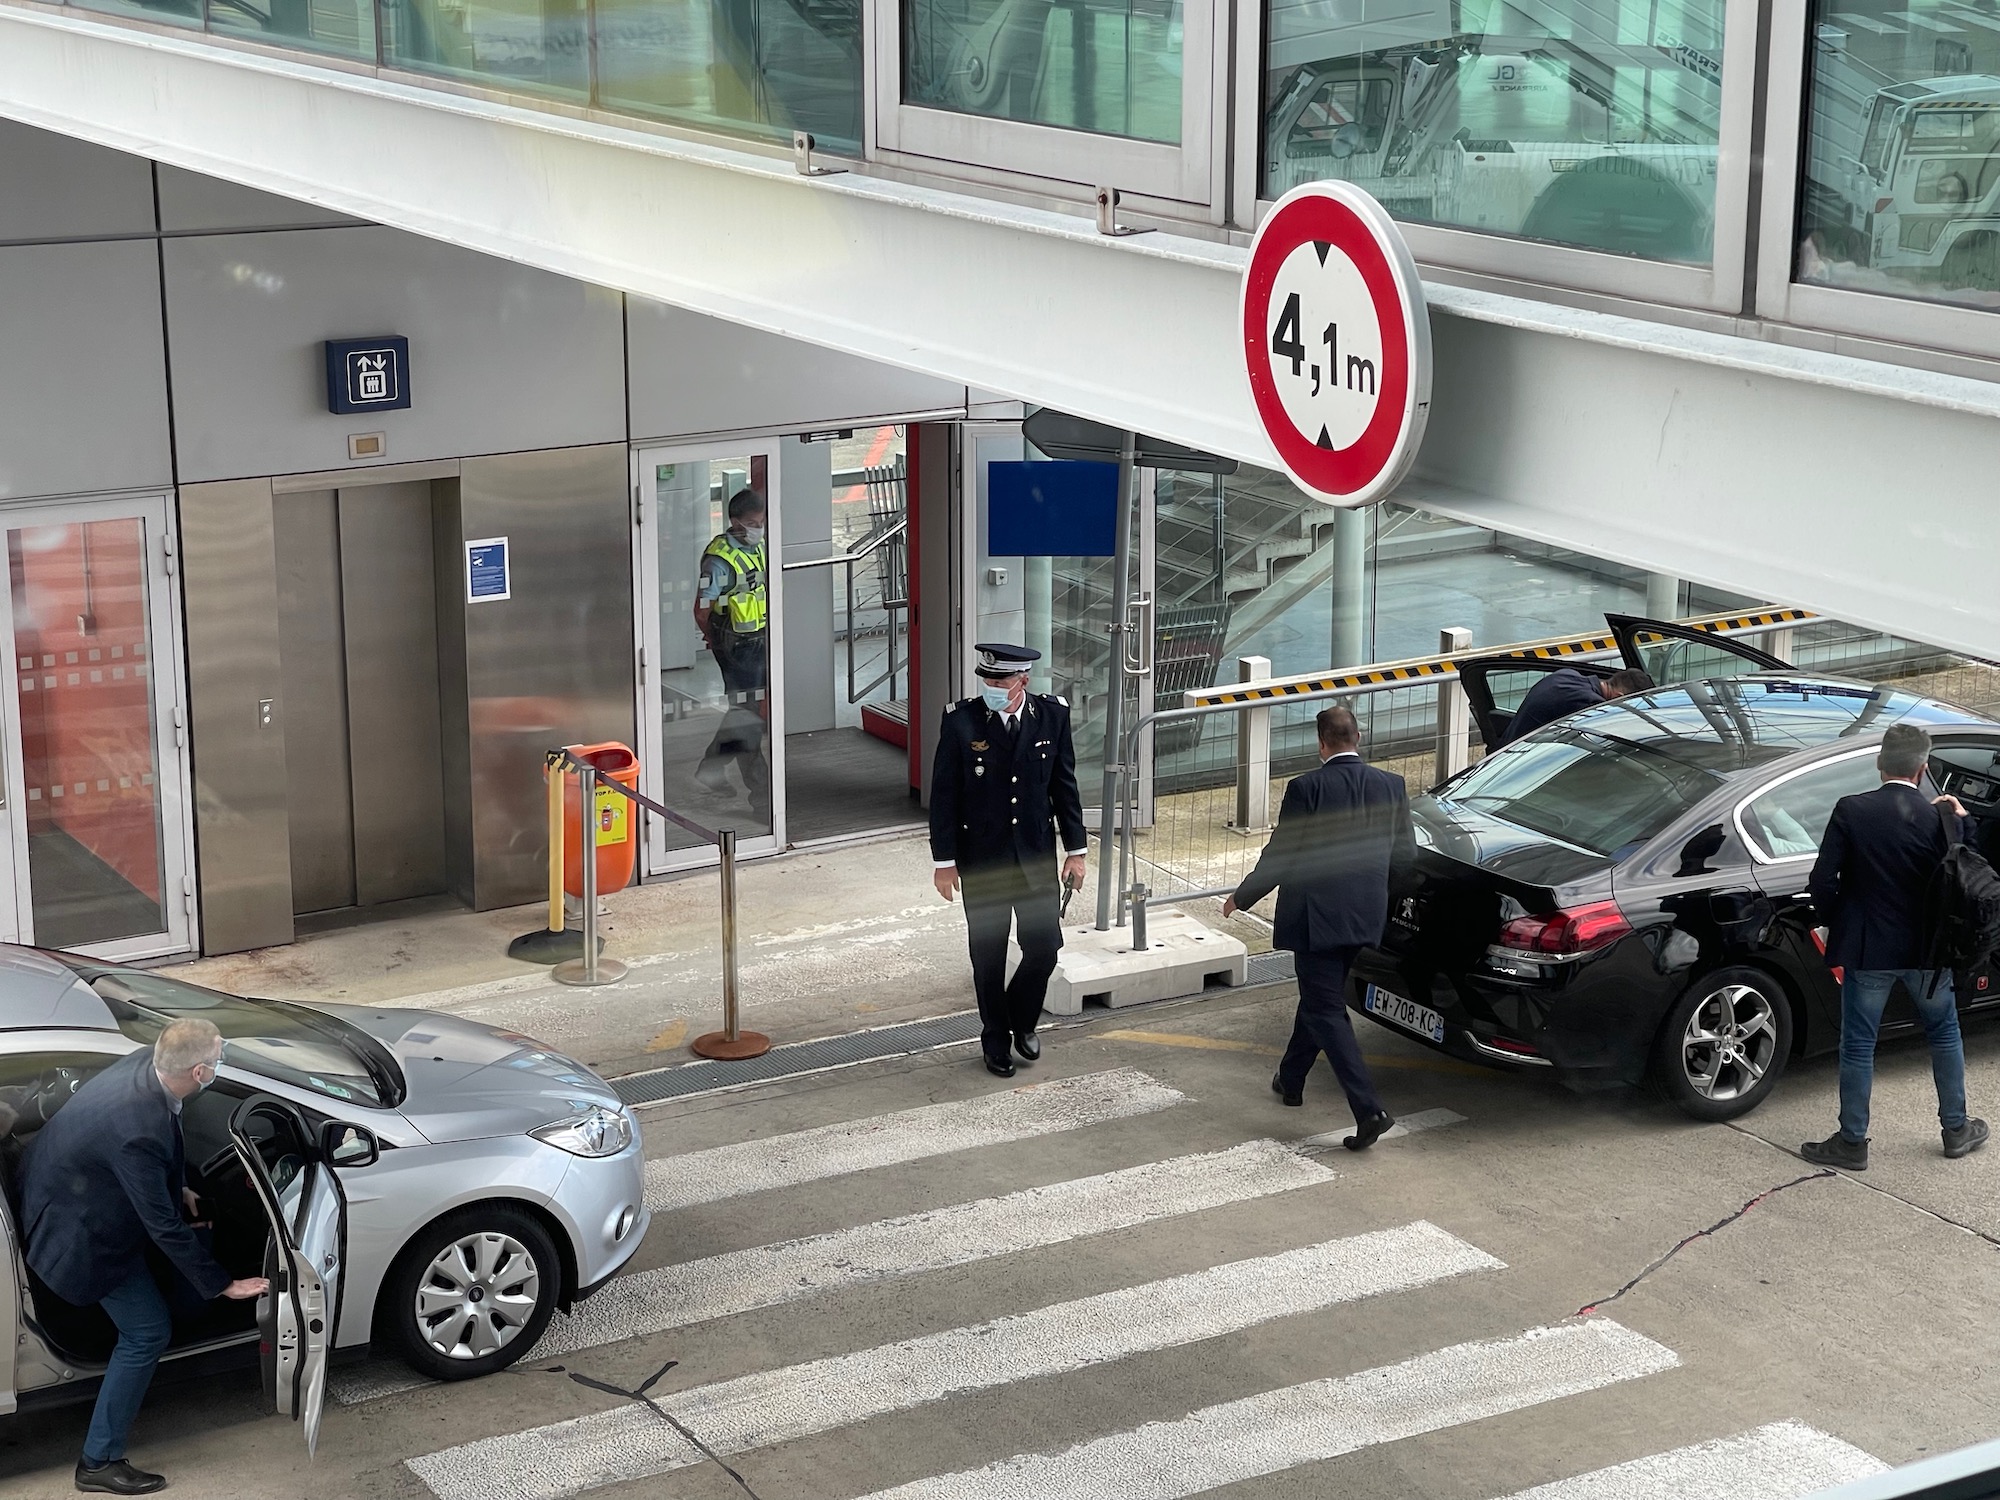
(1965, 1140)
(1838, 1151)
(1292, 1099)
(1368, 1132)
(1000, 1067)
(116, 1478)
(1028, 1045)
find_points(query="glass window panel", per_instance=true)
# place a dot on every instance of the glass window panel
(171, 12)
(1900, 191)
(715, 707)
(83, 642)
(754, 67)
(1112, 67)
(346, 27)
(1580, 122)
(1788, 821)
(541, 46)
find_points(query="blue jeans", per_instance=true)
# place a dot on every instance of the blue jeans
(1863, 996)
(144, 1328)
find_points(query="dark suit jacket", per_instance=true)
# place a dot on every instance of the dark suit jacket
(1557, 695)
(994, 802)
(1343, 835)
(1880, 850)
(103, 1179)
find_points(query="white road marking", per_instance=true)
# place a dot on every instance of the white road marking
(719, 1286)
(755, 1411)
(1302, 1424)
(1778, 1462)
(1423, 1119)
(908, 1135)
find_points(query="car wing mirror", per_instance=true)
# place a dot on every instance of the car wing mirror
(344, 1145)
(1700, 849)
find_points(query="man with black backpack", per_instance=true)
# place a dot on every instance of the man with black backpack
(1876, 886)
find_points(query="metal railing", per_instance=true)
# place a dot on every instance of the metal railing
(886, 543)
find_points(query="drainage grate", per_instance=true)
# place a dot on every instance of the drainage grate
(799, 1057)
(1270, 968)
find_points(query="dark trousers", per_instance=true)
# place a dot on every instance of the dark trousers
(1322, 1025)
(997, 897)
(145, 1325)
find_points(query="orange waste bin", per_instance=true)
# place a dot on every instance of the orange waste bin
(616, 826)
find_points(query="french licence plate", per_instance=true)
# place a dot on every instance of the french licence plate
(1407, 1014)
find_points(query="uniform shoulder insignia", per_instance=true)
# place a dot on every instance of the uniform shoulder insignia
(1057, 698)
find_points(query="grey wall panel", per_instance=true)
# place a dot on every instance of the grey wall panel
(695, 374)
(55, 188)
(191, 203)
(313, 648)
(806, 599)
(502, 357)
(552, 665)
(83, 388)
(242, 844)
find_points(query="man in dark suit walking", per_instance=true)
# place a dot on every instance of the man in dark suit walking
(1003, 786)
(1343, 836)
(1868, 885)
(101, 1183)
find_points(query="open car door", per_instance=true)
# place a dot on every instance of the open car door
(1671, 653)
(1495, 686)
(308, 1213)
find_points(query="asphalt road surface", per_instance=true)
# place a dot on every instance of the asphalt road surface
(1132, 1273)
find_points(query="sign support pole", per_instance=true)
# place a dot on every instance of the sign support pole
(1114, 706)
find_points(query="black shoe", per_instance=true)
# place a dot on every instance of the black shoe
(1028, 1045)
(1292, 1098)
(1369, 1131)
(1838, 1151)
(1965, 1140)
(116, 1478)
(1000, 1067)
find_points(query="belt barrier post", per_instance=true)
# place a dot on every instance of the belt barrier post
(1139, 894)
(1454, 727)
(729, 1044)
(589, 969)
(1253, 753)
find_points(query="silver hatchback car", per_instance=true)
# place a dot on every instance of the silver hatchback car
(436, 1187)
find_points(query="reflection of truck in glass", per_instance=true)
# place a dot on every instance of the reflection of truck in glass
(1529, 119)
(1905, 178)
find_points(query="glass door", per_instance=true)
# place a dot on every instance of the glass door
(711, 701)
(96, 826)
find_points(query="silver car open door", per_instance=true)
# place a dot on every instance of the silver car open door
(308, 1214)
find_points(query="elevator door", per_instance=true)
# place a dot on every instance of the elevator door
(363, 741)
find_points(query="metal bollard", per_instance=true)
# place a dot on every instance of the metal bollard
(730, 1043)
(1139, 895)
(590, 969)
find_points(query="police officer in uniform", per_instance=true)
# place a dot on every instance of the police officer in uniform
(733, 612)
(1002, 788)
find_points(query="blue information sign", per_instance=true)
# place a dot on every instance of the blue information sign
(486, 570)
(1062, 508)
(367, 374)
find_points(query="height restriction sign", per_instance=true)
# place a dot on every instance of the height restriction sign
(1337, 342)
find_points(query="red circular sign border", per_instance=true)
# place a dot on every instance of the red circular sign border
(1316, 212)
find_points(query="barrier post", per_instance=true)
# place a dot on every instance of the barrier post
(1454, 727)
(591, 968)
(729, 1044)
(1139, 894)
(1253, 753)
(552, 944)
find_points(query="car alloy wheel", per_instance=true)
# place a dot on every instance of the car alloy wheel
(477, 1294)
(1729, 1042)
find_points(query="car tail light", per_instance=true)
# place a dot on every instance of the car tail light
(1508, 1044)
(1565, 932)
(1839, 974)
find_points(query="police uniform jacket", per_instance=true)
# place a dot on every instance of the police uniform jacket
(995, 804)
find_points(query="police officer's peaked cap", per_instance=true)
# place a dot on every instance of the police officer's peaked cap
(997, 660)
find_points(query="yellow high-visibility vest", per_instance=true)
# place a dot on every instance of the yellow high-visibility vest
(745, 606)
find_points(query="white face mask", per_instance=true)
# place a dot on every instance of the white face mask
(997, 698)
(753, 535)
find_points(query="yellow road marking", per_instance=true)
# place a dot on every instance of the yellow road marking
(1227, 1044)
(671, 1036)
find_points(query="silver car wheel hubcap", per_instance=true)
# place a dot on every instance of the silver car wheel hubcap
(1730, 1042)
(477, 1295)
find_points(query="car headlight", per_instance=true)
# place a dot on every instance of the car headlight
(598, 1131)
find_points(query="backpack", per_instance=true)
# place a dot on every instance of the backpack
(1963, 905)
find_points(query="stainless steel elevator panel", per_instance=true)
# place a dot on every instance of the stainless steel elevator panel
(312, 638)
(234, 678)
(389, 601)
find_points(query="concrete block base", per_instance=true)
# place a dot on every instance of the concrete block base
(1182, 954)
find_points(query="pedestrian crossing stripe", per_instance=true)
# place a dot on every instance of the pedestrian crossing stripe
(634, 1441)
(1781, 1461)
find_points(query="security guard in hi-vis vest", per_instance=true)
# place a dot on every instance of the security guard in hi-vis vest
(733, 612)
(1002, 788)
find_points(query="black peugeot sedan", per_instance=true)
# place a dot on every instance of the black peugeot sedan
(1620, 896)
